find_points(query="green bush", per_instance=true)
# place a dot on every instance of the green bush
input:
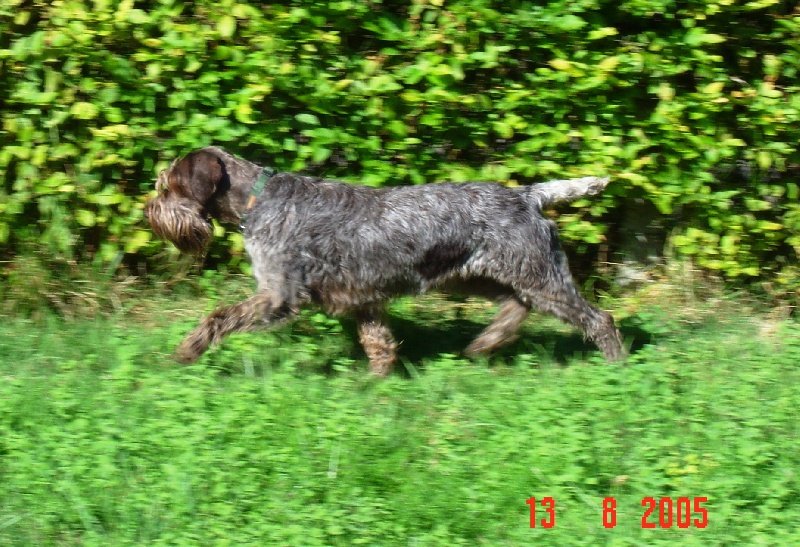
(690, 105)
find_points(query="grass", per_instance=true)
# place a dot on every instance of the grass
(281, 438)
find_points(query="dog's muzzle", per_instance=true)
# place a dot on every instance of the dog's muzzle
(181, 221)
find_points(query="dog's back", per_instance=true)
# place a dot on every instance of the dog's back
(372, 244)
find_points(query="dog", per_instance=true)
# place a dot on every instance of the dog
(350, 248)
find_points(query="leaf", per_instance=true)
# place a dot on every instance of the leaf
(236, 240)
(307, 118)
(734, 142)
(153, 70)
(320, 154)
(22, 18)
(609, 63)
(760, 4)
(85, 218)
(757, 204)
(243, 113)
(193, 66)
(772, 226)
(665, 92)
(727, 244)
(714, 88)
(139, 239)
(383, 84)
(105, 198)
(764, 159)
(560, 64)
(226, 26)
(569, 23)
(218, 229)
(768, 90)
(503, 129)
(604, 32)
(697, 37)
(111, 132)
(138, 17)
(84, 111)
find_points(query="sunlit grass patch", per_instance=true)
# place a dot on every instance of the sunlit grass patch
(282, 437)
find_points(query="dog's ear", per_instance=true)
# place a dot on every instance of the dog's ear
(197, 176)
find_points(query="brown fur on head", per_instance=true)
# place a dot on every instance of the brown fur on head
(180, 212)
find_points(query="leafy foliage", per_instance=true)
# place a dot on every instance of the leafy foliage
(690, 105)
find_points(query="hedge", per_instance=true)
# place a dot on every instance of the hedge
(692, 106)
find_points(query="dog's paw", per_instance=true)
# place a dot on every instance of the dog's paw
(190, 350)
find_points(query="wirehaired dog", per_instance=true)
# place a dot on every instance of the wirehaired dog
(351, 248)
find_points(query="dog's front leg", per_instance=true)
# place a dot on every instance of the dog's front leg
(377, 340)
(259, 311)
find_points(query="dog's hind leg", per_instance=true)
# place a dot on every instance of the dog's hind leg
(259, 311)
(377, 340)
(503, 328)
(564, 302)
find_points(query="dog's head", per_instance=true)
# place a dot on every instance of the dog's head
(186, 200)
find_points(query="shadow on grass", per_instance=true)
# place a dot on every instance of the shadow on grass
(427, 333)
(422, 340)
(634, 335)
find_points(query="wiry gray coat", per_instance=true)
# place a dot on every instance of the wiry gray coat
(350, 248)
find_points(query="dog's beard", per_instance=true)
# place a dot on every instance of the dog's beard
(180, 221)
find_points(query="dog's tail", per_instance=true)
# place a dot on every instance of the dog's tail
(546, 194)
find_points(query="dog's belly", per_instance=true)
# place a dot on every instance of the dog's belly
(341, 295)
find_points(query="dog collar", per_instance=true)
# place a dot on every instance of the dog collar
(266, 174)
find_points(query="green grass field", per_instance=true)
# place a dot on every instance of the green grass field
(281, 438)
